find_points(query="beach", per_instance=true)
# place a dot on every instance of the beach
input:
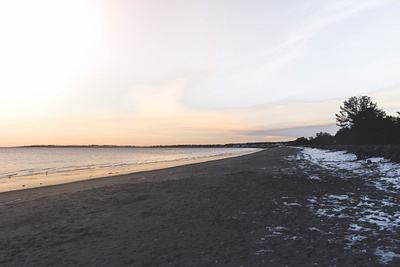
(253, 210)
(57, 178)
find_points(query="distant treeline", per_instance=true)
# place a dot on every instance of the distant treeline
(233, 145)
(365, 130)
(361, 122)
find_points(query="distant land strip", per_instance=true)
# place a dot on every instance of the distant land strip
(231, 145)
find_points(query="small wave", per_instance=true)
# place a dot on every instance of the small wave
(28, 162)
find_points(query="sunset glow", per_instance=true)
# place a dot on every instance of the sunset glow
(178, 72)
(46, 42)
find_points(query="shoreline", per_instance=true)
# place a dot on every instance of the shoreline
(42, 180)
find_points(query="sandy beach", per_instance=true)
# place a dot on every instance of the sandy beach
(252, 210)
(43, 180)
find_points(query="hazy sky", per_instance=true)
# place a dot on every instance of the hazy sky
(184, 71)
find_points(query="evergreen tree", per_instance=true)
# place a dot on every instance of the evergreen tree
(364, 120)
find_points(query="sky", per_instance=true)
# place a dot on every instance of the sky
(138, 72)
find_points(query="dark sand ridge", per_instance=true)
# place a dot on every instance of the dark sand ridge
(244, 211)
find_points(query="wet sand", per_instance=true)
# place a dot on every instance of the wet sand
(43, 180)
(243, 211)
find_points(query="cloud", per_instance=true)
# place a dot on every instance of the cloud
(264, 72)
(285, 120)
(280, 121)
(294, 132)
(160, 100)
(279, 69)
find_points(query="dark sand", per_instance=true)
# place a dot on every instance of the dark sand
(220, 213)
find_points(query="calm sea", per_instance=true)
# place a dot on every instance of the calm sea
(29, 161)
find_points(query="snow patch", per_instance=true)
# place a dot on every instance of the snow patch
(386, 256)
(373, 214)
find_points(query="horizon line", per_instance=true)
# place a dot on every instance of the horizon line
(144, 146)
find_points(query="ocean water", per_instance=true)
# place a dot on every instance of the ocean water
(31, 161)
